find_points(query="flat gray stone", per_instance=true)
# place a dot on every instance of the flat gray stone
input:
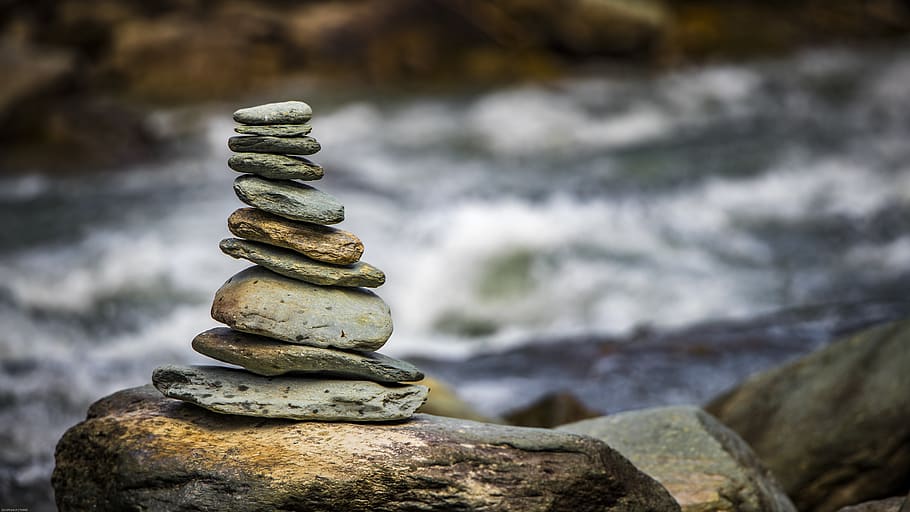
(259, 301)
(296, 266)
(277, 167)
(269, 357)
(232, 391)
(275, 130)
(285, 112)
(289, 199)
(278, 145)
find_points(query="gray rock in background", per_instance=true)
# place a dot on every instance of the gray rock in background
(289, 199)
(703, 464)
(233, 391)
(260, 301)
(269, 357)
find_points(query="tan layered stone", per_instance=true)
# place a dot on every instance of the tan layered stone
(321, 243)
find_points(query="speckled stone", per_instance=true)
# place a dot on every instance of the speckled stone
(293, 265)
(275, 130)
(231, 391)
(285, 112)
(277, 167)
(289, 199)
(278, 145)
(269, 357)
(259, 301)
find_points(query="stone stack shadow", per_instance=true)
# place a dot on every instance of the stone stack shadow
(301, 322)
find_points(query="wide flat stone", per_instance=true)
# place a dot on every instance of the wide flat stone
(277, 167)
(289, 199)
(259, 301)
(275, 130)
(269, 357)
(315, 241)
(278, 145)
(293, 265)
(234, 391)
(285, 112)
(138, 450)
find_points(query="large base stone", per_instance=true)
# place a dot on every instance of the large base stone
(140, 451)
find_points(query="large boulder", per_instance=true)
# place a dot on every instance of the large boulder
(834, 426)
(703, 464)
(140, 451)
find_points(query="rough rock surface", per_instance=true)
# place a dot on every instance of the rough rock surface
(834, 426)
(321, 243)
(898, 504)
(275, 130)
(268, 357)
(140, 451)
(293, 265)
(289, 199)
(260, 301)
(233, 391)
(284, 112)
(703, 464)
(277, 167)
(281, 145)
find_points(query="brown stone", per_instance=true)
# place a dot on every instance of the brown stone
(321, 243)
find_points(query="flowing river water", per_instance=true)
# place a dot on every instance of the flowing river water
(636, 240)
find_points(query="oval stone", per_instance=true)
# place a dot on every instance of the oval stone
(279, 145)
(321, 243)
(259, 301)
(277, 167)
(285, 112)
(289, 199)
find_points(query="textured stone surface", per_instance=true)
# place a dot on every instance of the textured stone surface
(703, 464)
(293, 265)
(277, 167)
(899, 504)
(140, 451)
(278, 145)
(321, 243)
(289, 199)
(260, 301)
(834, 426)
(234, 391)
(284, 112)
(275, 130)
(268, 357)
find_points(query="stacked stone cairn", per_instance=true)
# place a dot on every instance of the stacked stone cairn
(301, 323)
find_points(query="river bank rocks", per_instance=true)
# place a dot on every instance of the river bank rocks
(302, 325)
(140, 451)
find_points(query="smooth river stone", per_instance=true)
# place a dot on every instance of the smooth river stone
(259, 301)
(289, 199)
(285, 112)
(293, 265)
(275, 130)
(268, 357)
(318, 242)
(278, 167)
(232, 391)
(279, 145)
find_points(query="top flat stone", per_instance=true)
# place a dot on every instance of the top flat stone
(285, 112)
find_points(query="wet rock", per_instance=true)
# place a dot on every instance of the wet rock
(232, 391)
(275, 130)
(140, 451)
(321, 243)
(834, 426)
(285, 112)
(269, 357)
(887, 505)
(277, 167)
(551, 410)
(703, 464)
(289, 199)
(278, 145)
(293, 265)
(259, 301)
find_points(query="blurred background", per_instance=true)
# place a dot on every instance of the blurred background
(598, 204)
